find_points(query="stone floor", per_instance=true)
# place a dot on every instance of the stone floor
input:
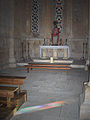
(49, 86)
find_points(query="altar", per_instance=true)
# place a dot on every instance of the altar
(55, 52)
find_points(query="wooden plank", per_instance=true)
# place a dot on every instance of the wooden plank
(16, 100)
(37, 64)
(8, 112)
(58, 68)
(5, 93)
(12, 80)
(13, 77)
(50, 68)
(8, 91)
(19, 99)
(9, 88)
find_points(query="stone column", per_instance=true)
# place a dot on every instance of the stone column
(47, 21)
(28, 17)
(12, 61)
(89, 35)
(69, 18)
(89, 44)
(28, 25)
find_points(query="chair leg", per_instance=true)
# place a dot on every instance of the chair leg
(8, 102)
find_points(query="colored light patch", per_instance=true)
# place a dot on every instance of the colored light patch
(40, 107)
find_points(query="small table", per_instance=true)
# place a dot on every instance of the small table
(44, 51)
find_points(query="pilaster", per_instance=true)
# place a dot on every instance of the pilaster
(89, 44)
(12, 61)
(69, 18)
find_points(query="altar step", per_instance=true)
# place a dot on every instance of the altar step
(54, 61)
(71, 62)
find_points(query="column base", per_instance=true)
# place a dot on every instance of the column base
(86, 68)
(12, 62)
(12, 65)
(89, 84)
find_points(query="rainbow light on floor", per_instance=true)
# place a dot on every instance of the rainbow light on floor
(40, 107)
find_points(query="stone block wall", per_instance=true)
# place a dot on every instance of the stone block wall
(4, 57)
(16, 23)
(75, 23)
(5, 7)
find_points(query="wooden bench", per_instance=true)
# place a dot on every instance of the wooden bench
(47, 66)
(9, 91)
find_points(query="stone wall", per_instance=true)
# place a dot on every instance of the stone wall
(5, 7)
(79, 27)
(75, 23)
(17, 25)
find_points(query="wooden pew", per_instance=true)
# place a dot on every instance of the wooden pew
(47, 66)
(9, 91)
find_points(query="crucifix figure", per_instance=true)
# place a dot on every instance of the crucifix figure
(55, 33)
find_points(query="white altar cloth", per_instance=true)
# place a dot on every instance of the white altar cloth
(64, 48)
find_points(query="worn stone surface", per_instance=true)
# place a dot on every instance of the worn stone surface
(48, 86)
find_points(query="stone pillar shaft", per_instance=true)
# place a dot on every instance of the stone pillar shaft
(47, 17)
(12, 61)
(89, 44)
(28, 26)
(69, 18)
(89, 34)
